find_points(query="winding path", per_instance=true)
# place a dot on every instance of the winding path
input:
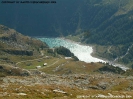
(127, 51)
(30, 60)
(109, 49)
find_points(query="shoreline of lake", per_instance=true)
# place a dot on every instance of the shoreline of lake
(92, 54)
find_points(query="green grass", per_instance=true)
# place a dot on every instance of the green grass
(121, 86)
(64, 66)
(40, 62)
(76, 38)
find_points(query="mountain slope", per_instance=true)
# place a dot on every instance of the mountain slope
(108, 23)
(13, 39)
(108, 20)
(14, 45)
(111, 23)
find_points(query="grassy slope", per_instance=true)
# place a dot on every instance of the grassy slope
(46, 92)
(11, 41)
(57, 66)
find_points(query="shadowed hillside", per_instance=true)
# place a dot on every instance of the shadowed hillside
(109, 21)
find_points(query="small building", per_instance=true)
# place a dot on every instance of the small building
(38, 67)
(45, 64)
(68, 57)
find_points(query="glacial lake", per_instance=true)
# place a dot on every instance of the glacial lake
(83, 52)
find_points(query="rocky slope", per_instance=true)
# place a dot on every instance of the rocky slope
(11, 39)
(61, 78)
(13, 43)
(41, 85)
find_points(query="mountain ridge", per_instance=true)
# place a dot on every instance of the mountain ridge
(107, 20)
(14, 46)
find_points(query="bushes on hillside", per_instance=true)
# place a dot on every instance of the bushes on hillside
(66, 52)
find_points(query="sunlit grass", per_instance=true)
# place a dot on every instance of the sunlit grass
(46, 92)
(32, 64)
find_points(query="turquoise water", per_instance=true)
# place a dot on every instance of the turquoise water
(83, 52)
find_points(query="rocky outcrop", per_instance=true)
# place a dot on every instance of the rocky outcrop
(92, 81)
(112, 69)
(13, 42)
(18, 52)
(10, 70)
